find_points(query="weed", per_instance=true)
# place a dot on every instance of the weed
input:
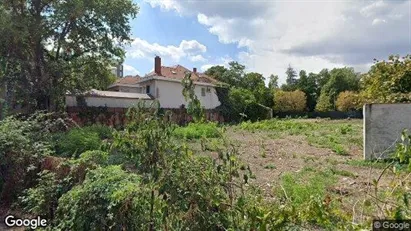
(343, 173)
(198, 130)
(270, 166)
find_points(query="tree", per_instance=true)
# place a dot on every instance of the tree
(273, 82)
(241, 99)
(324, 103)
(289, 101)
(308, 85)
(216, 72)
(341, 79)
(291, 80)
(234, 75)
(51, 47)
(387, 80)
(348, 101)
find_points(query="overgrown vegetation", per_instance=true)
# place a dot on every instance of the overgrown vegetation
(198, 130)
(147, 177)
(339, 137)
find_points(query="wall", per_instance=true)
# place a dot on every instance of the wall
(383, 124)
(91, 101)
(116, 117)
(315, 114)
(170, 95)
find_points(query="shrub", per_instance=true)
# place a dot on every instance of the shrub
(198, 130)
(324, 103)
(108, 198)
(289, 101)
(23, 145)
(348, 101)
(79, 140)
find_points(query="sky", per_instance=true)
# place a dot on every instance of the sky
(268, 35)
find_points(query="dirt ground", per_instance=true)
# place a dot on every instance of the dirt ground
(269, 157)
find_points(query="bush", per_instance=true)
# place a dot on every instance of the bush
(23, 145)
(108, 198)
(289, 101)
(198, 130)
(348, 101)
(79, 140)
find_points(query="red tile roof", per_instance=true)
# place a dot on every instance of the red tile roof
(178, 72)
(128, 80)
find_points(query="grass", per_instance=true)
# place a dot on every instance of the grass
(270, 166)
(338, 136)
(307, 183)
(198, 130)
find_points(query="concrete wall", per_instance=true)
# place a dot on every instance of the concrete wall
(383, 124)
(169, 94)
(92, 101)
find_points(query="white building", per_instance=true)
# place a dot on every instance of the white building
(164, 84)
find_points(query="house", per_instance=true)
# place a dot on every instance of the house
(164, 84)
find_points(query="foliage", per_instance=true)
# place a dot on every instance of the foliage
(308, 85)
(403, 149)
(291, 80)
(348, 101)
(117, 201)
(79, 140)
(341, 79)
(50, 48)
(23, 145)
(198, 130)
(249, 88)
(386, 78)
(216, 72)
(241, 99)
(324, 103)
(194, 107)
(294, 101)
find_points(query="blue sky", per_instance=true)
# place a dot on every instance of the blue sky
(267, 36)
(168, 28)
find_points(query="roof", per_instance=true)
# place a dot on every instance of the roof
(117, 94)
(128, 80)
(178, 72)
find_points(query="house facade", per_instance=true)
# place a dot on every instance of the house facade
(164, 85)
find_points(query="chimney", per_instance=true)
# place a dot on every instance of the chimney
(157, 65)
(195, 70)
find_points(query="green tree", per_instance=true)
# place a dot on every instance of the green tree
(51, 47)
(216, 72)
(291, 80)
(387, 79)
(273, 82)
(241, 99)
(308, 85)
(324, 103)
(341, 79)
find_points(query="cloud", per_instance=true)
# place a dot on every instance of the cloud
(130, 70)
(143, 49)
(197, 58)
(308, 35)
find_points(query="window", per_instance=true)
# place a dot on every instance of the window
(157, 93)
(148, 89)
(203, 91)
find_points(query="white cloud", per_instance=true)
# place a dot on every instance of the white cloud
(308, 35)
(197, 58)
(130, 70)
(143, 49)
